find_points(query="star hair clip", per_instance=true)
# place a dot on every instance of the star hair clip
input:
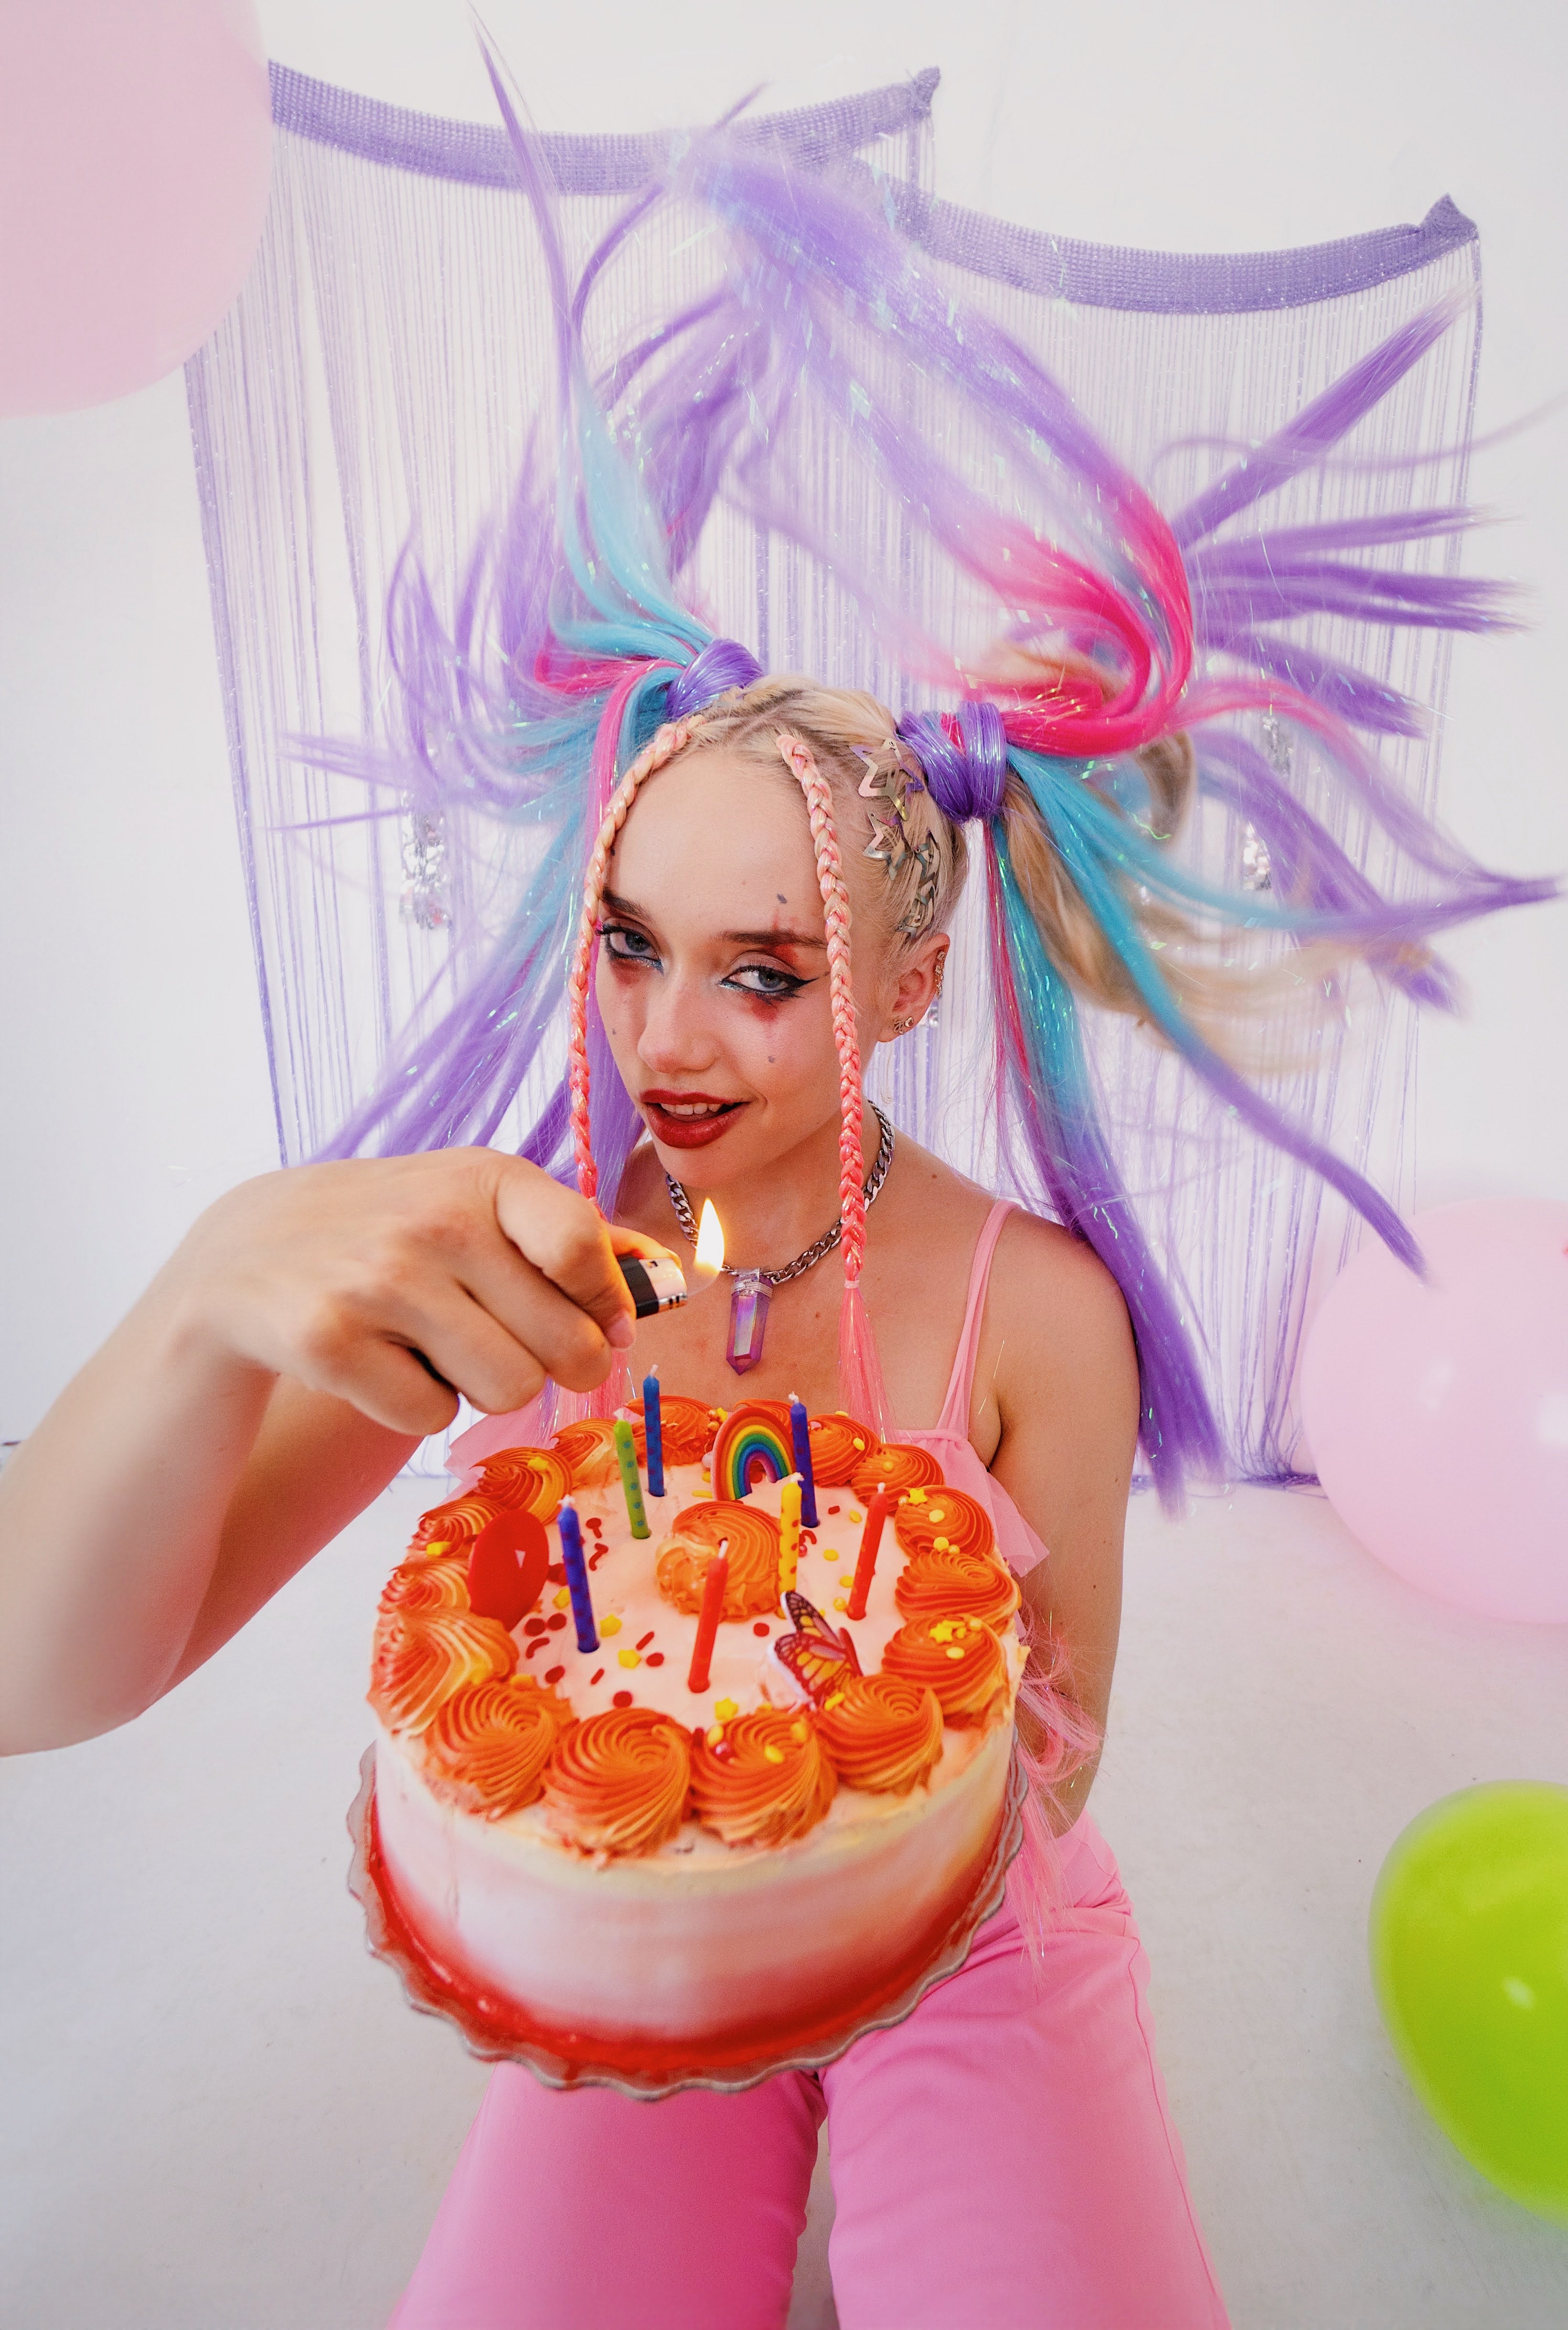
(888, 788)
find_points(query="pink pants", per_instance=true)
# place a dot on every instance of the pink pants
(1003, 2160)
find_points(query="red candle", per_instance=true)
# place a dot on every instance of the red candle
(713, 1585)
(876, 1513)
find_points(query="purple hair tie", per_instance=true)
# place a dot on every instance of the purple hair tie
(967, 770)
(723, 663)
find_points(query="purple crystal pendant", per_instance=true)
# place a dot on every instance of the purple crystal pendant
(748, 1320)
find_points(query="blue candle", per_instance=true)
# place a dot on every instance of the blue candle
(577, 1584)
(653, 1425)
(799, 1432)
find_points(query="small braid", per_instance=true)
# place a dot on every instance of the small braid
(669, 740)
(797, 757)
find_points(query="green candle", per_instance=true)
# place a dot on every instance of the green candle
(626, 1449)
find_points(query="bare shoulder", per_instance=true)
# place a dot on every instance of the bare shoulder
(1057, 1338)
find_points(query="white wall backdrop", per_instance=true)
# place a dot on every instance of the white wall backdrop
(132, 1081)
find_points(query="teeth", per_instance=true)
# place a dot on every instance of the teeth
(693, 1108)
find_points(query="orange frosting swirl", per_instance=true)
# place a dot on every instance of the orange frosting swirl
(455, 1522)
(587, 1452)
(897, 1467)
(416, 1662)
(883, 1731)
(525, 1479)
(687, 1429)
(486, 1748)
(753, 1585)
(764, 1781)
(619, 1781)
(421, 1587)
(945, 1580)
(921, 1522)
(839, 1444)
(958, 1657)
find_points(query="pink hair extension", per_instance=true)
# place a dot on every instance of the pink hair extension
(668, 741)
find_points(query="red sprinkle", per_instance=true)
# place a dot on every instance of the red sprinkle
(556, 1620)
(556, 1573)
(534, 1626)
(835, 1508)
(596, 1676)
(655, 1659)
(597, 1556)
(536, 1644)
(646, 1640)
(621, 1699)
(761, 1626)
(553, 1675)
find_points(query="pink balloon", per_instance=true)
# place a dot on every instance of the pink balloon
(1438, 1413)
(136, 155)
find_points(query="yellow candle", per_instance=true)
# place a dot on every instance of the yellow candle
(789, 1531)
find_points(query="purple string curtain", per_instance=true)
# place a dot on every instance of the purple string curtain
(384, 371)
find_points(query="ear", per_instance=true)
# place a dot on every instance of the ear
(916, 988)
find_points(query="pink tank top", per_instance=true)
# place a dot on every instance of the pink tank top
(948, 1438)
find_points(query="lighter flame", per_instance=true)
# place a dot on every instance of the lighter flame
(710, 1258)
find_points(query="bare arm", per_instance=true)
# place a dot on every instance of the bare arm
(310, 1329)
(1062, 1398)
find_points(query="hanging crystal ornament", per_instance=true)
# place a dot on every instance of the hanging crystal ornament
(425, 902)
(754, 1289)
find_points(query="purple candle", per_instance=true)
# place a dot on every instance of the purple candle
(800, 1434)
(577, 1584)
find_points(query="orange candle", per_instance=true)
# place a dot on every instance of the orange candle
(713, 1585)
(876, 1513)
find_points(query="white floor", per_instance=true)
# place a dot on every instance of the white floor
(218, 2114)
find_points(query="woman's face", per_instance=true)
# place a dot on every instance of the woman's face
(712, 969)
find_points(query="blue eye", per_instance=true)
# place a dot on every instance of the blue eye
(624, 945)
(773, 985)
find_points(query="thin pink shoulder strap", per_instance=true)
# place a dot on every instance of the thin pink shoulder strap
(954, 1414)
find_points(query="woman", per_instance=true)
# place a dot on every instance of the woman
(768, 897)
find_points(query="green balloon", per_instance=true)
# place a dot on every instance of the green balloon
(1468, 1936)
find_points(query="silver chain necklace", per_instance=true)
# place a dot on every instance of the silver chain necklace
(754, 1288)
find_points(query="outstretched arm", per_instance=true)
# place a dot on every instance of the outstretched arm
(1062, 1388)
(312, 1328)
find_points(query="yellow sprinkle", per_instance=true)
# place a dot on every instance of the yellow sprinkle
(630, 1658)
(859, 1442)
(917, 1496)
(942, 1631)
(563, 1600)
(938, 1514)
(841, 1602)
(774, 1755)
(836, 1700)
(609, 1626)
(955, 1653)
(941, 1545)
(855, 1516)
(799, 1730)
(438, 1545)
(846, 1581)
(722, 1707)
(715, 1733)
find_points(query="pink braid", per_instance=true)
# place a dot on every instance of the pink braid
(836, 908)
(669, 740)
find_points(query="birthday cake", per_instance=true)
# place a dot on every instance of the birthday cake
(666, 1776)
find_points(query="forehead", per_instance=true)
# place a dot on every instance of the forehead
(713, 837)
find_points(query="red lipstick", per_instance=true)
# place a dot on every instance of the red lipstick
(688, 1120)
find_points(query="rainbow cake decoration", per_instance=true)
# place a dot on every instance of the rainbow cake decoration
(751, 1443)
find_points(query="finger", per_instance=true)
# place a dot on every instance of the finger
(387, 1382)
(500, 1333)
(568, 1240)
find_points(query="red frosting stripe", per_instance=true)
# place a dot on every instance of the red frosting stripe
(687, 1429)
(764, 1780)
(896, 1466)
(416, 1662)
(587, 1452)
(839, 1444)
(924, 1519)
(684, 1555)
(418, 1588)
(527, 1479)
(486, 1748)
(959, 1659)
(455, 1522)
(945, 1580)
(883, 1731)
(619, 1781)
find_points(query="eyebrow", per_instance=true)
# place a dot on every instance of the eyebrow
(779, 936)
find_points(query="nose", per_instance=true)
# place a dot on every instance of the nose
(677, 1038)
